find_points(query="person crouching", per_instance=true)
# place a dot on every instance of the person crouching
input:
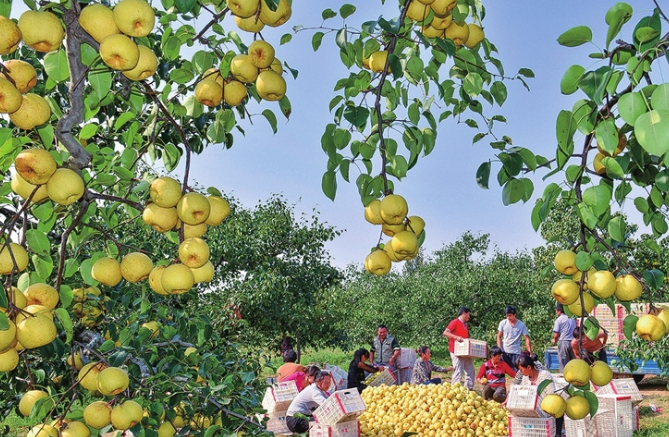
(494, 371)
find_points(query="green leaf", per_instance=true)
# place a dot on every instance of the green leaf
(592, 401)
(583, 261)
(526, 72)
(575, 36)
(606, 134)
(652, 131)
(316, 40)
(565, 130)
(586, 215)
(598, 198)
(346, 10)
(100, 82)
(483, 175)
(631, 106)
(56, 66)
(513, 191)
(271, 119)
(328, 13)
(654, 279)
(593, 83)
(329, 184)
(357, 116)
(38, 242)
(583, 111)
(181, 75)
(571, 78)
(429, 140)
(65, 321)
(499, 92)
(542, 385)
(43, 265)
(184, 5)
(660, 97)
(171, 156)
(472, 84)
(629, 326)
(617, 229)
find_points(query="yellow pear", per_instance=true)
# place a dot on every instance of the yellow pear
(134, 17)
(388, 248)
(29, 399)
(32, 310)
(664, 316)
(22, 73)
(416, 225)
(554, 405)
(10, 97)
(234, 93)
(88, 375)
(10, 36)
(152, 326)
(126, 415)
(270, 86)
(107, 271)
(112, 381)
(98, 414)
(74, 428)
(41, 30)
(576, 308)
(404, 243)
(243, 69)
(622, 143)
(565, 291)
(43, 430)
(577, 372)
(378, 263)
(34, 111)
(391, 230)
(98, 20)
(601, 373)
(194, 252)
(243, 8)
(25, 189)
(15, 253)
(193, 208)
(565, 262)
(65, 186)
(394, 209)
(441, 23)
(204, 273)
(250, 24)
(215, 75)
(576, 277)
(442, 8)
(36, 331)
(261, 53)
(373, 212)
(155, 280)
(209, 93)
(598, 165)
(160, 219)
(136, 266)
(628, 288)
(602, 283)
(147, 64)
(177, 278)
(431, 32)
(219, 209)
(119, 52)
(74, 360)
(166, 430)
(165, 192)
(457, 32)
(577, 407)
(276, 66)
(476, 35)
(35, 166)
(377, 61)
(9, 360)
(417, 11)
(650, 327)
(275, 18)
(42, 294)
(17, 297)
(7, 336)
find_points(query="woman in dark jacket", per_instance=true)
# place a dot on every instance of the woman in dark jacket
(357, 369)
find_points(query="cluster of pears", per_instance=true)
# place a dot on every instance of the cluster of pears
(170, 209)
(30, 315)
(259, 67)
(114, 29)
(89, 305)
(43, 32)
(253, 15)
(430, 410)
(391, 213)
(579, 374)
(597, 164)
(37, 174)
(603, 284)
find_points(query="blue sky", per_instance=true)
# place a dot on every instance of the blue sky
(441, 188)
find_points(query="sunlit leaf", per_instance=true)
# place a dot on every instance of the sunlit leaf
(652, 131)
(575, 36)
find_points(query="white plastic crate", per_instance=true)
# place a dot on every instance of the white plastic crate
(531, 427)
(344, 429)
(381, 378)
(279, 396)
(635, 419)
(614, 416)
(471, 348)
(622, 387)
(580, 428)
(523, 401)
(342, 406)
(339, 377)
(407, 358)
(276, 423)
(404, 375)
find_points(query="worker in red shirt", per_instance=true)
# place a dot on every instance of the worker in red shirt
(457, 330)
(494, 371)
